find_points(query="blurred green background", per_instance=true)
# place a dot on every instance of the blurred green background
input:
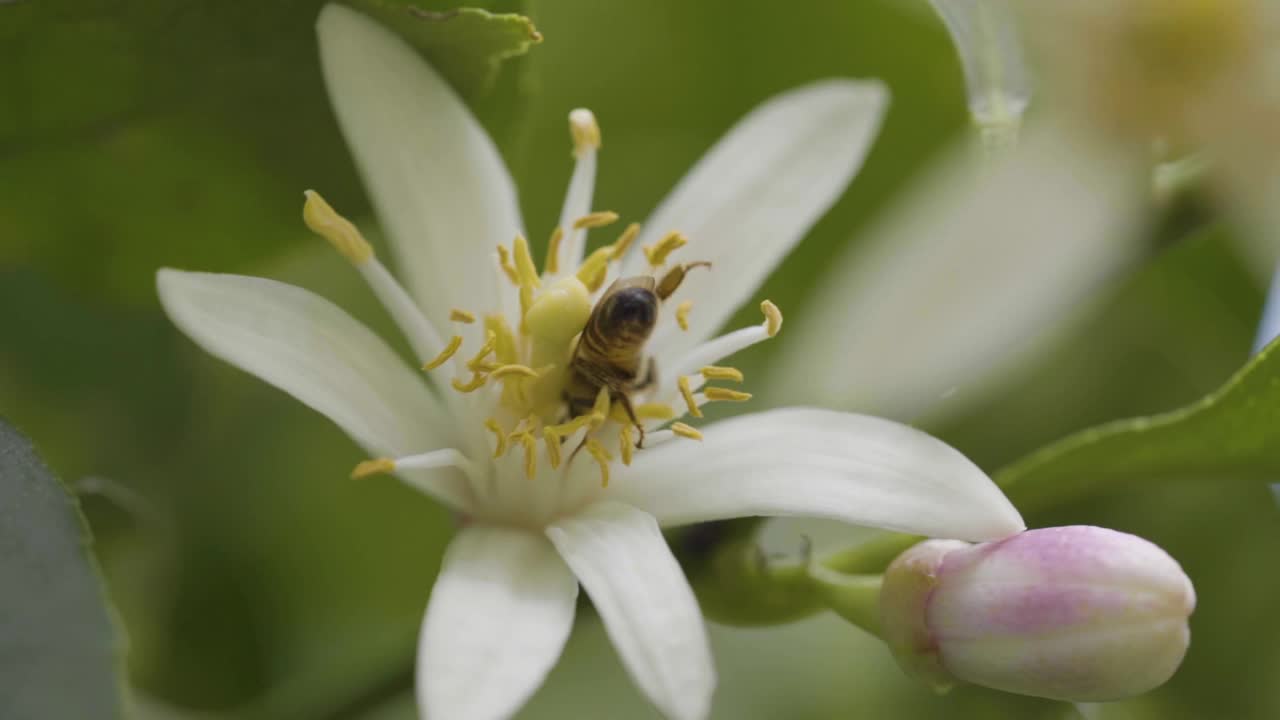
(255, 580)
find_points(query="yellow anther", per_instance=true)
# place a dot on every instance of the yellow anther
(657, 253)
(654, 411)
(624, 444)
(552, 440)
(368, 468)
(566, 429)
(327, 223)
(530, 454)
(455, 342)
(592, 270)
(552, 265)
(687, 394)
(477, 363)
(772, 317)
(461, 316)
(603, 459)
(503, 371)
(686, 431)
(595, 220)
(526, 271)
(504, 343)
(504, 261)
(623, 243)
(584, 130)
(682, 314)
(475, 383)
(716, 372)
(498, 435)
(725, 394)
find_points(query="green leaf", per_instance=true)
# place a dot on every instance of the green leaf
(1233, 434)
(467, 45)
(219, 115)
(59, 649)
(1230, 435)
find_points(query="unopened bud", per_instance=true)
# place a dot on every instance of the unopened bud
(1072, 613)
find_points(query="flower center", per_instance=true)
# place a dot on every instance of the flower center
(573, 370)
(573, 373)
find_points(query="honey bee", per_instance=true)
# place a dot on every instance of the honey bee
(610, 350)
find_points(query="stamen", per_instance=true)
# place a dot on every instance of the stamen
(624, 444)
(553, 434)
(658, 252)
(716, 372)
(623, 243)
(654, 411)
(461, 316)
(503, 371)
(526, 271)
(714, 350)
(369, 468)
(584, 130)
(577, 198)
(773, 317)
(592, 271)
(504, 262)
(685, 431)
(530, 454)
(687, 394)
(725, 394)
(552, 441)
(446, 457)
(598, 219)
(682, 314)
(504, 345)
(475, 383)
(499, 436)
(526, 302)
(455, 342)
(553, 251)
(476, 363)
(603, 458)
(327, 223)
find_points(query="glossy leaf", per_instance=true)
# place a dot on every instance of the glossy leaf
(466, 44)
(59, 648)
(1233, 434)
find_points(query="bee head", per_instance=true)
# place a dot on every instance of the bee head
(631, 313)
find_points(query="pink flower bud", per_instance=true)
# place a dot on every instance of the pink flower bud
(1072, 613)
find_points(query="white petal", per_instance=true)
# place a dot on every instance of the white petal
(648, 608)
(973, 271)
(819, 463)
(756, 193)
(439, 187)
(500, 613)
(311, 349)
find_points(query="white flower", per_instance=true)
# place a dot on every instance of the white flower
(537, 522)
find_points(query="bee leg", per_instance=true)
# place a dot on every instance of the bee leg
(669, 282)
(625, 402)
(574, 454)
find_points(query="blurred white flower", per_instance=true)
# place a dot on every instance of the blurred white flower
(977, 266)
(1071, 613)
(536, 523)
(996, 78)
(1198, 78)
